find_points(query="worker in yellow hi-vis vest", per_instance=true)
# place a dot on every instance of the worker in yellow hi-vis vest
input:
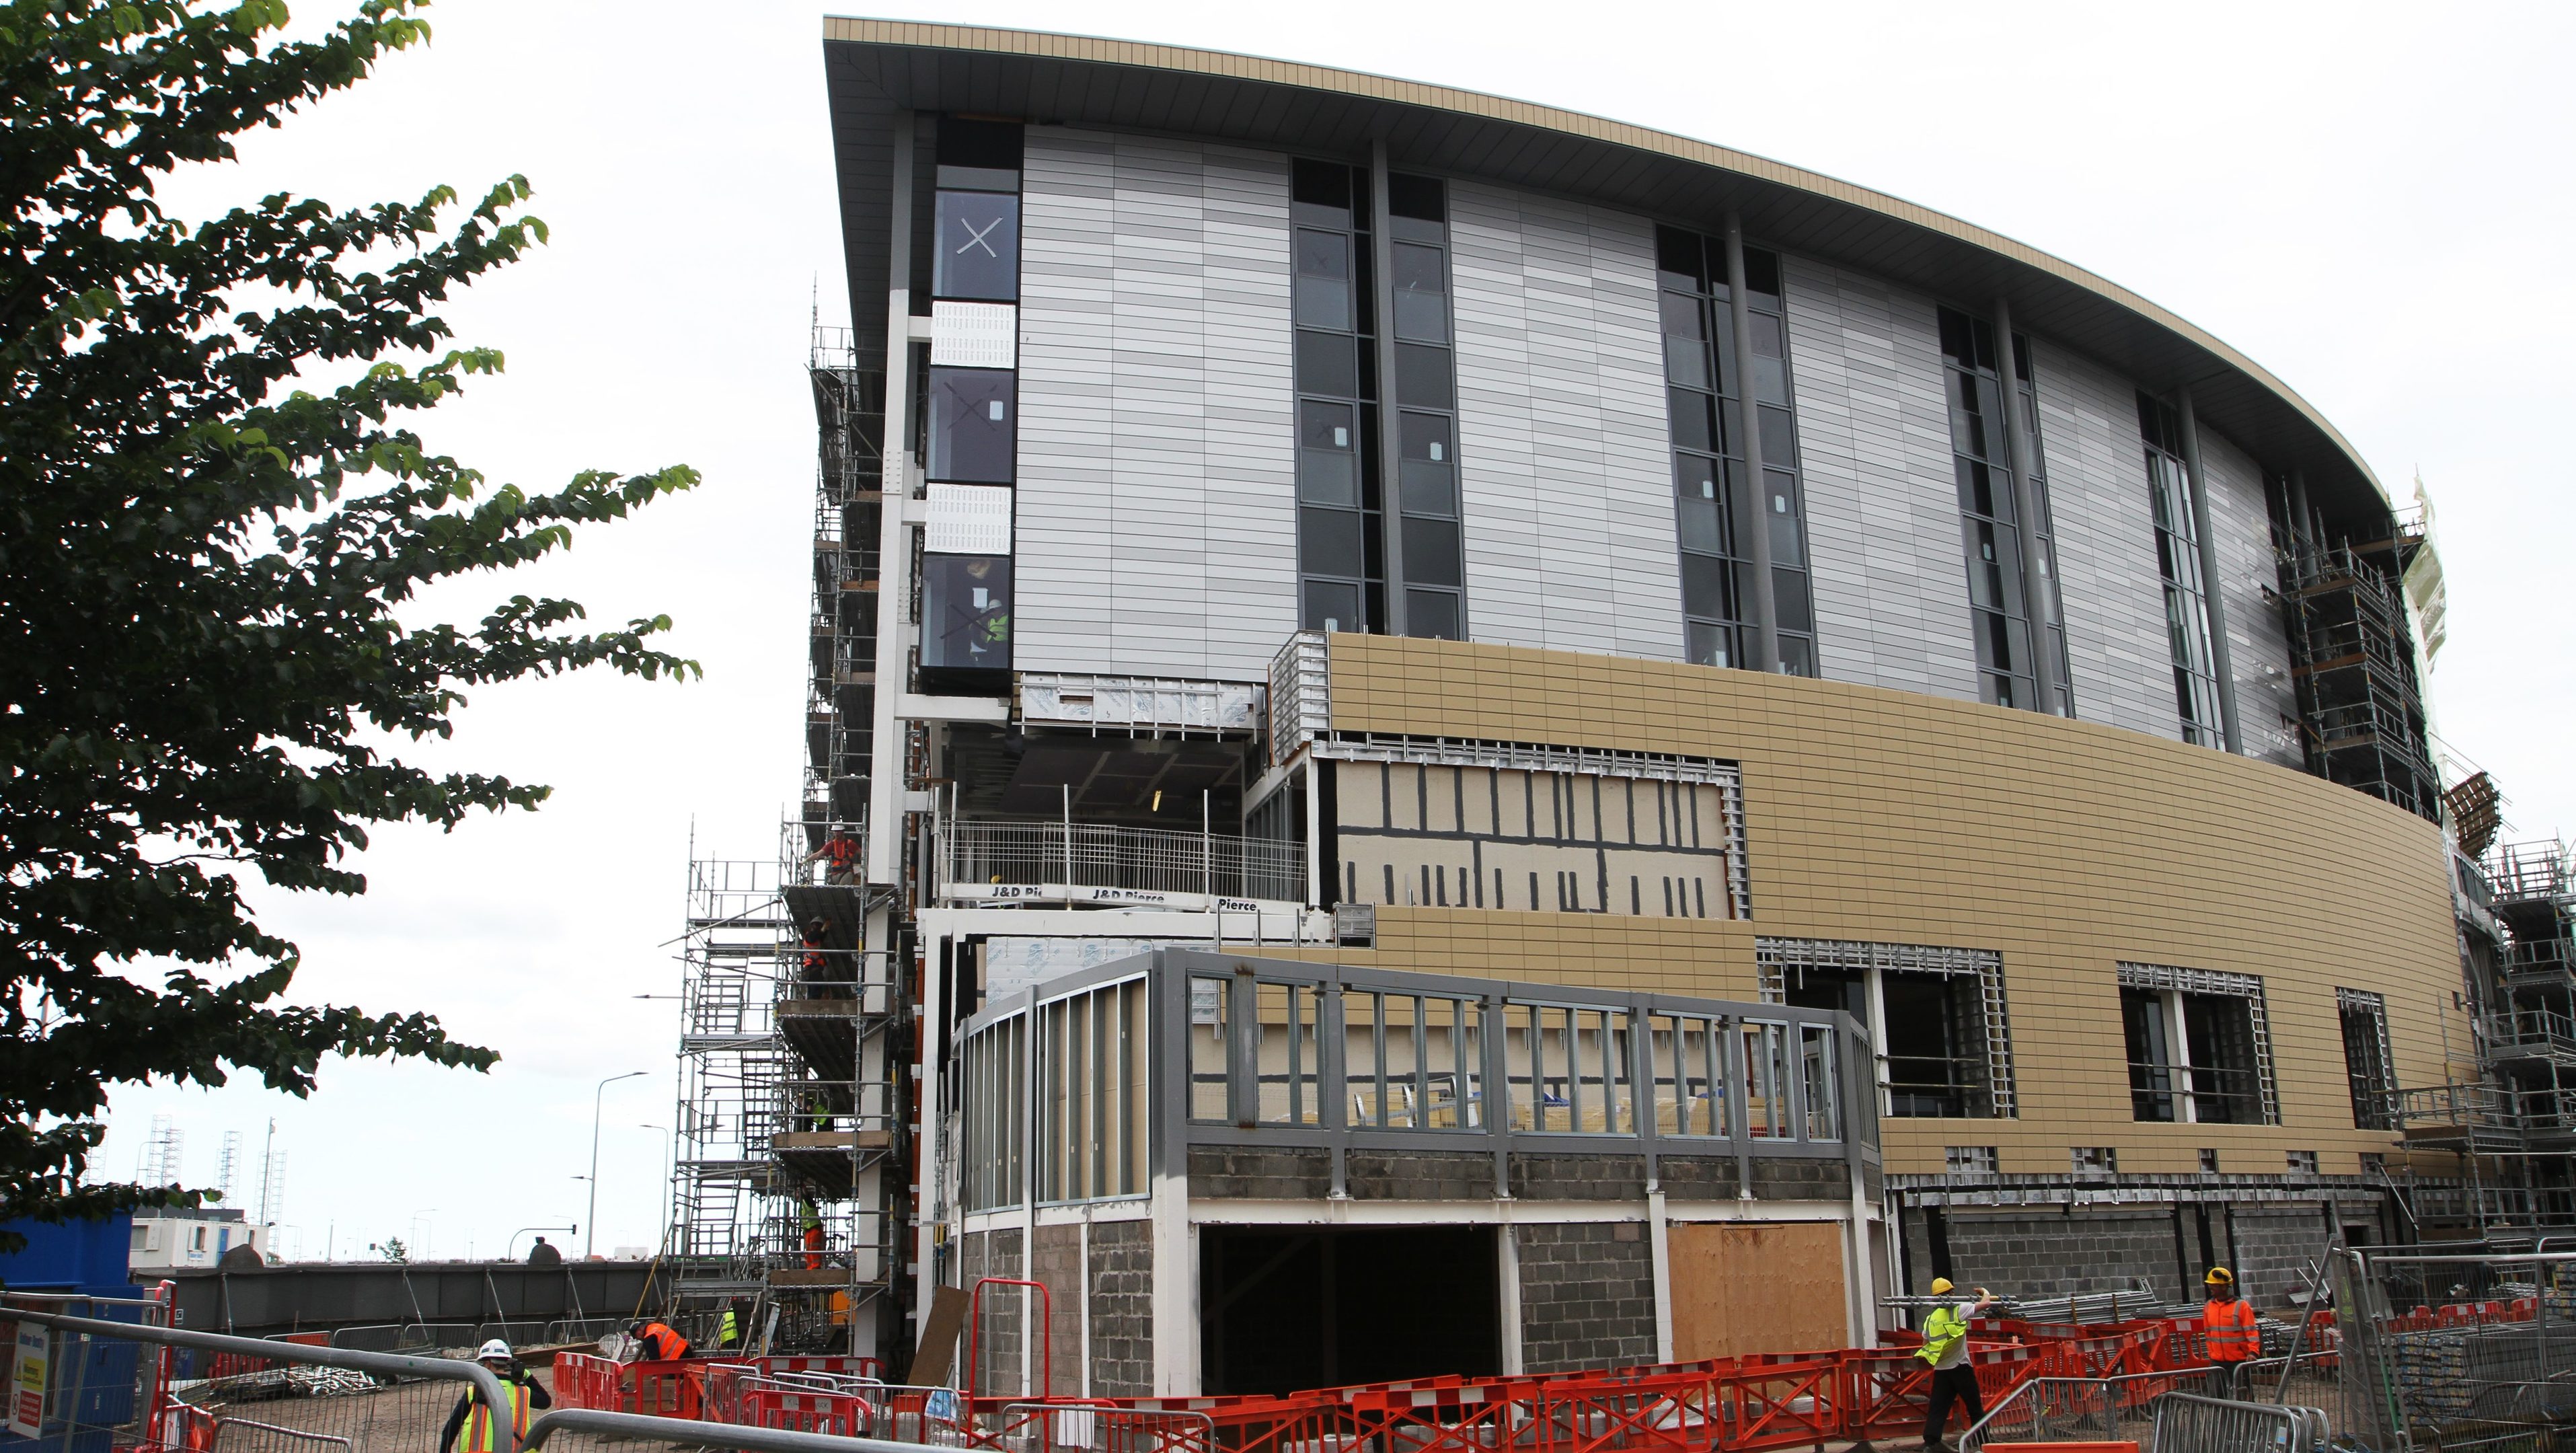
(473, 1417)
(1945, 1351)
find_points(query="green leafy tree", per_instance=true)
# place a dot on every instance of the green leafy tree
(211, 514)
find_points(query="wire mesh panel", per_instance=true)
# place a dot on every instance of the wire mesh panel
(2457, 1351)
(2088, 1409)
(2186, 1423)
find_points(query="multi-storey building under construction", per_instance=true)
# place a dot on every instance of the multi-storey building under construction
(1453, 737)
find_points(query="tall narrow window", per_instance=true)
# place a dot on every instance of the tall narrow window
(2178, 557)
(1989, 512)
(1341, 563)
(970, 411)
(2043, 528)
(2367, 1064)
(1426, 401)
(1715, 498)
(1784, 512)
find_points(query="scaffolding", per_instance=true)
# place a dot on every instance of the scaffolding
(2514, 1128)
(2353, 659)
(791, 1179)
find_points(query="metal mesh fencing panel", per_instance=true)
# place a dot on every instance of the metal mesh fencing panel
(2457, 1352)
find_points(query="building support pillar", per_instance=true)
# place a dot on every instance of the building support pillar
(2212, 583)
(1756, 597)
(1507, 1278)
(1390, 448)
(1659, 1246)
(894, 538)
(2038, 590)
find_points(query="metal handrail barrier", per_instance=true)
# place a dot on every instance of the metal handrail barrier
(692, 1433)
(389, 1364)
(2049, 1409)
(2189, 1423)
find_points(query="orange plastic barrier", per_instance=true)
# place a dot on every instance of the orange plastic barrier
(660, 1389)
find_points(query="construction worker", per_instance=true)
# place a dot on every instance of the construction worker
(813, 1237)
(840, 856)
(1945, 1351)
(474, 1419)
(656, 1342)
(2228, 1329)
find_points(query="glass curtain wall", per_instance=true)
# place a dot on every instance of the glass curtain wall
(1703, 386)
(1784, 511)
(2178, 557)
(1341, 561)
(971, 406)
(1426, 400)
(2043, 530)
(1991, 526)
(1708, 464)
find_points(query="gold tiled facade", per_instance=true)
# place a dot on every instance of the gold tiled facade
(2065, 846)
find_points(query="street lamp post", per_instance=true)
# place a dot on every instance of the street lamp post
(590, 1237)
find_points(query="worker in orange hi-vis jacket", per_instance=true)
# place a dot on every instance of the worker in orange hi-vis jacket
(2228, 1329)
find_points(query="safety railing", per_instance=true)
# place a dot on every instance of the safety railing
(388, 1408)
(1057, 1428)
(1060, 861)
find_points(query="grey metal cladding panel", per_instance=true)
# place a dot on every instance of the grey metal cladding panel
(1562, 445)
(1157, 513)
(2117, 642)
(2248, 583)
(1891, 583)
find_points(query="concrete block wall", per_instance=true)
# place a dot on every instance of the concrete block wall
(1157, 479)
(1565, 468)
(1056, 1258)
(1890, 569)
(2047, 1253)
(2275, 1245)
(1587, 1295)
(1122, 1308)
(997, 1335)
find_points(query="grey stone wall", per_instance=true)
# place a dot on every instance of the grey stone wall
(1578, 1177)
(1696, 1177)
(2046, 1253)
(1232, 1173)
(2274, 1246)
(996, 1331)
(1425, 1175)
(1587, 1295)
(1122, 1309)
(1057, 1261)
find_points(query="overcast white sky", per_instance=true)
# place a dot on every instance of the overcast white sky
(2374, 201)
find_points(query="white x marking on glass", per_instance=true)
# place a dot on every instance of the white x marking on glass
(976, 238)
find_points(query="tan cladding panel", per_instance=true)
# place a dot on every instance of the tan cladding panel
(2068, 847)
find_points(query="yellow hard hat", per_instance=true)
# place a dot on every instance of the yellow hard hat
(2220, 1276)
(1940, 1284)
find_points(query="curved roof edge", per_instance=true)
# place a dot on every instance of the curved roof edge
(1094, 51)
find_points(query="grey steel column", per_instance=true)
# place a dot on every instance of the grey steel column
(1390, 497)
(2301, 533)
(2219, 662)
(2038, 591)
(894, 546)
(1756, 494)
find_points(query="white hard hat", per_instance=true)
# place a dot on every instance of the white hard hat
(494, 1348)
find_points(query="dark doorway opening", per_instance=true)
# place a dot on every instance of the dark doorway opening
(1284, 1310)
